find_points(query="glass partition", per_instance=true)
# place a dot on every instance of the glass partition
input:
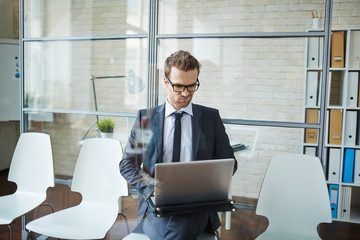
(64, 75)
(67, 133)
(233, 16)
(257, 79)
(65, 18)
(260, 145)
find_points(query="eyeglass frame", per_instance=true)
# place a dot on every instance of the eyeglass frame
(184, 86)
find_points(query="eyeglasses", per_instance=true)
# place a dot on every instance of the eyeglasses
(181, 88)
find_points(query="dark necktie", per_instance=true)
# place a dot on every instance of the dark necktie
(177, 137)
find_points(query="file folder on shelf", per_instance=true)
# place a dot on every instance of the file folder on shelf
(311, 134)
(312, 89)
(336, 88)
(353, 89)
(334, 165)
(335, 126)
(354, 58)
(357, 167)
(334, 195)
(350, 128)
(337, 49)
(348, 166)
(346, 203)
(313, 52)
(357, 141)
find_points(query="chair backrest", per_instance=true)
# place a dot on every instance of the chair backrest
(32, 167)
(97, 176)
(294, 194)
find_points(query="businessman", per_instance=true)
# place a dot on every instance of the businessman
(177, 130)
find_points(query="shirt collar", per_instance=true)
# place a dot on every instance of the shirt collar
(169, 109)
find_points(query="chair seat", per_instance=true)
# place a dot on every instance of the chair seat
(79, 222)
(21, 203)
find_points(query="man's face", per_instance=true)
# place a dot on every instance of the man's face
(178, 77)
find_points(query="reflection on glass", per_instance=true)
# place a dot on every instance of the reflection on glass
(231, 16)
(59, 18)
(58, 75)
(257, 79)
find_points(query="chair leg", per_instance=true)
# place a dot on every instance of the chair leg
(126, 221)
(217, 235)
(10, 231)
(29, 235)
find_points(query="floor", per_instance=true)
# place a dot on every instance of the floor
(245, 224)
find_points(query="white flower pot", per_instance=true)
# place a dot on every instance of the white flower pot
(107, 135)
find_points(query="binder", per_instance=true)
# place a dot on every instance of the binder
(312, 84)
(321, 51)
(334, 165)
(348, 166)
(335, 126)
(311, 134)
(354, 58)
(357, 167)
(310, 151)
(337, 49)
(334, 195)
(346, 203)
(313, 52)
(353, 88)
(357, 142)
(350, 128)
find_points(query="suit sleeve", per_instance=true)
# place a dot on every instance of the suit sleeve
(223, 148)
(130, 165)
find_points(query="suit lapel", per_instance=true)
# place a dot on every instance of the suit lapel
(158, 123)
(196, 131)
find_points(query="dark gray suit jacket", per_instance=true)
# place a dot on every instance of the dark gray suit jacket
(210, 141)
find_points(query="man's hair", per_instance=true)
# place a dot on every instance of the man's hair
(182, 60)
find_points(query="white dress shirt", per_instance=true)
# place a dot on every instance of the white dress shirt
(186, 133)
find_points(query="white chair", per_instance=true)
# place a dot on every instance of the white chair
(98, 180)
(33, 172)
(294, 198)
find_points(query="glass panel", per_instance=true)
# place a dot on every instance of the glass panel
(262, 143)
(255, 79)
(67, 132)
(63, 18)
(346, 14)
(58, 75)
(231, 16)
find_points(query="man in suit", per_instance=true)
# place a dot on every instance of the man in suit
(152, 141)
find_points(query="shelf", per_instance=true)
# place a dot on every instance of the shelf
(335, 107)
(337, 69)
(342, 89)
(357, 185)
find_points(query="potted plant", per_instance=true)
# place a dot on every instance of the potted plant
(106, 127)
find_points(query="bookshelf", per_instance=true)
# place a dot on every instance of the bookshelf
(342, 133)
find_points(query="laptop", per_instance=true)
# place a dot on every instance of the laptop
(192, 182)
